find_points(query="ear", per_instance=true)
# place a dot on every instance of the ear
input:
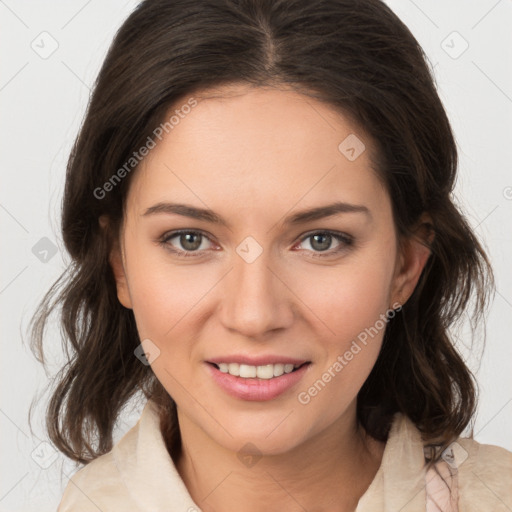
(412, 258)
(116, 261)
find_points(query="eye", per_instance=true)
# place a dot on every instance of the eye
(321, 242)
(190, 243)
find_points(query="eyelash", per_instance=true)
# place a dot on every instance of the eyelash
(345, 240)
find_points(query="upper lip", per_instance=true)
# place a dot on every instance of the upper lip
(257, 360)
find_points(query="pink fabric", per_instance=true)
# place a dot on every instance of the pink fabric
(442, 490)
(441, 484)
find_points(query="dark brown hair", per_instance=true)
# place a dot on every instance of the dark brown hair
(359, 58)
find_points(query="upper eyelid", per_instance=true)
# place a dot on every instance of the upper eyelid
(171, 234)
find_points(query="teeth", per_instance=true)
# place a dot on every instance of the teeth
(246, 371)
(223, 367)
(278, 370)
(289, 368)
(234, 369)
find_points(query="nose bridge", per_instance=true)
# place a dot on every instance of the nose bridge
(255, 300)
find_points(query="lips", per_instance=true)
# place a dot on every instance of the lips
(256, 389)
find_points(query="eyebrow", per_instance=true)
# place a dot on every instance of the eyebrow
(301, 217)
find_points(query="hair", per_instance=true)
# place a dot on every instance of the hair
(354, 55)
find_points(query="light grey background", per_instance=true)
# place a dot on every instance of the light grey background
(43, 99)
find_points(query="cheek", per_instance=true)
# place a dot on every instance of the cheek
(350, 305)
(166, 301)
(348, 299)
(351, 311)
(164, 295)
(360, 300)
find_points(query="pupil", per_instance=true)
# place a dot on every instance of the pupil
(322, 237)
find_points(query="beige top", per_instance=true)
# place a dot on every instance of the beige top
(139, 475)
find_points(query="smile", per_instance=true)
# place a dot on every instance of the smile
(244, 381)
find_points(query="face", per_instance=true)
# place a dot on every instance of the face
(254, 278)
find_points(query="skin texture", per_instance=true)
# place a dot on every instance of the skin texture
(255, 156)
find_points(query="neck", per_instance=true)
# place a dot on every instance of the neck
(329, 472)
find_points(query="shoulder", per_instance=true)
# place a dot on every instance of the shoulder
(137, 474)
(480, 475)
(484, 476)
(96, 487)
(100, 486)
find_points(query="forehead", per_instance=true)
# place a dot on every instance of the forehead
(251, 147)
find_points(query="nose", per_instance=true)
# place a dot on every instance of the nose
(255, 298)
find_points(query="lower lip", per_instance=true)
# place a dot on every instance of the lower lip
(256, 389)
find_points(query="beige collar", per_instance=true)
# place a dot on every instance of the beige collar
(153, 481)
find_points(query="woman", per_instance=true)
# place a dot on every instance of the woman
(258, 208)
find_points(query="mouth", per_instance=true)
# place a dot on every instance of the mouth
(257, 383)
